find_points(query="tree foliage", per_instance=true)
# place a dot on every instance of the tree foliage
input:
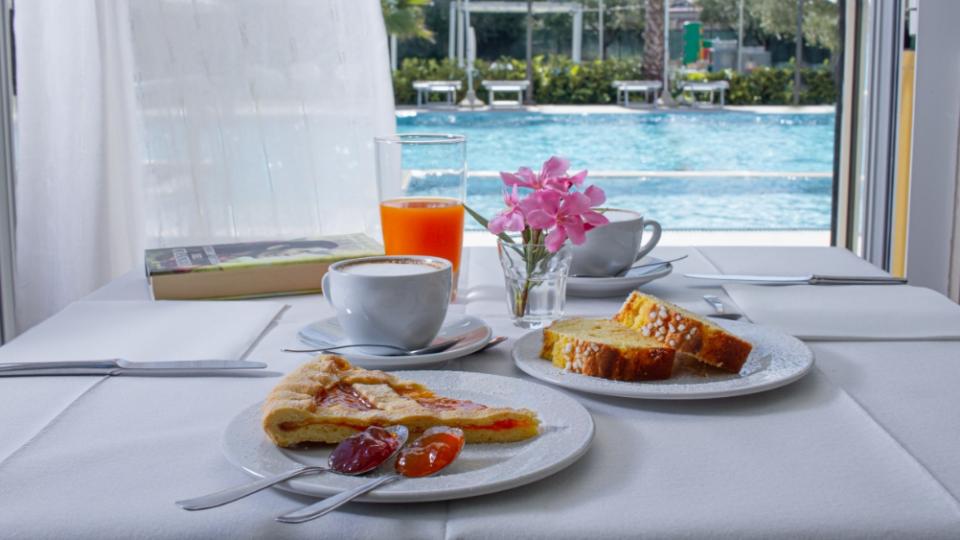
(620, 17)
(778, 19)
(405, 18)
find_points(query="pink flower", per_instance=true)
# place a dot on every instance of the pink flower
(522, 178)
(564, 183)
(510, 219)
(552, 175)
(568, 214)
(593, 218)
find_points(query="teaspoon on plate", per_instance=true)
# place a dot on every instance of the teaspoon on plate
(401, 351)
(623, 273)
(335, 463)
(430, 443)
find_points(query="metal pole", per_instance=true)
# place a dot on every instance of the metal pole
(529, 52)
(470, 99)
(600, 50)
(665, 93)
(460, 33)
(740, 39)
(7, 178)
(799, 54)
(452, 31)
(393, 52)
(577, 34)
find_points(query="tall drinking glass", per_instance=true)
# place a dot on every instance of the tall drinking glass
(422, 180)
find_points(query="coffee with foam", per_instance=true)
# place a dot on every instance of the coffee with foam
(393, 300)
(398, 268)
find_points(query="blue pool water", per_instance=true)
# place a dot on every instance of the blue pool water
(689, 170)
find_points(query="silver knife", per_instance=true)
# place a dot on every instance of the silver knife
(805, 279)
(119, 366)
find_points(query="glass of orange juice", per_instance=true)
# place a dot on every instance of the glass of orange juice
(422, 182)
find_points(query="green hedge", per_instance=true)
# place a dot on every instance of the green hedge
(557, 80)
(774, 86)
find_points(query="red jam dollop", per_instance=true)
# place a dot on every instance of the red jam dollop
(364, 451)
(434, 450)
(447, 404)
(343, 394)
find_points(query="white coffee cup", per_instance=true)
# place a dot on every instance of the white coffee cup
(612, 248)
(393, 300)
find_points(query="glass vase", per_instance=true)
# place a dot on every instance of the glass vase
(536, 282)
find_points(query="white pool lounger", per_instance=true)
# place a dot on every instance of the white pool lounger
(650, 89)
(425, 88)
(710, 88)
(506, 86)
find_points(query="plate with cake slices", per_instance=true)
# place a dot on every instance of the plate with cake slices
(517, 432)
(653, 349)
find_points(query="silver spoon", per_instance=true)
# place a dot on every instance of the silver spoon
(324, 507)
(230, 495)
(401, 351)
(658, 263)
(720, 311)
(634, 267)
(493, 343)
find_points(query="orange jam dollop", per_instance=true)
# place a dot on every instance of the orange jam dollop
(364, 451)
(434, 450)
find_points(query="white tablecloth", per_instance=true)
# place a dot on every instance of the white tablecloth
(850, 313)
(865, 446)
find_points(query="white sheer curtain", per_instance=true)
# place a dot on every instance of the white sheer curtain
(78, 189)
(164, 122)
(259, 116)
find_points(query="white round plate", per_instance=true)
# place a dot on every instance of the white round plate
(600, 287)
(566, 431)
(777, 359)
(474, 334)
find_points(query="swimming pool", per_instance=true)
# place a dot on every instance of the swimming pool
(687, 169)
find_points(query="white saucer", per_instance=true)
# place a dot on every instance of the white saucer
(566, 431)
(599, 287)
(474, 333)
(777, 359)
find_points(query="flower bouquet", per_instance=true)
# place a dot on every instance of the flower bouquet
(543, 211)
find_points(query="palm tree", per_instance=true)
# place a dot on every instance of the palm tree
(653, 46)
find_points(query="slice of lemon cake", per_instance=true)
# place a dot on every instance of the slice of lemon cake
(604, 348)
(684, 331)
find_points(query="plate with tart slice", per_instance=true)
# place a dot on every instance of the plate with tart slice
(653, 349)
(517, 431)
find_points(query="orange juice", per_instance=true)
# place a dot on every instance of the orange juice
(424, 226)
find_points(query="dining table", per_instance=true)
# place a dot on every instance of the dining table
(866, 445)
